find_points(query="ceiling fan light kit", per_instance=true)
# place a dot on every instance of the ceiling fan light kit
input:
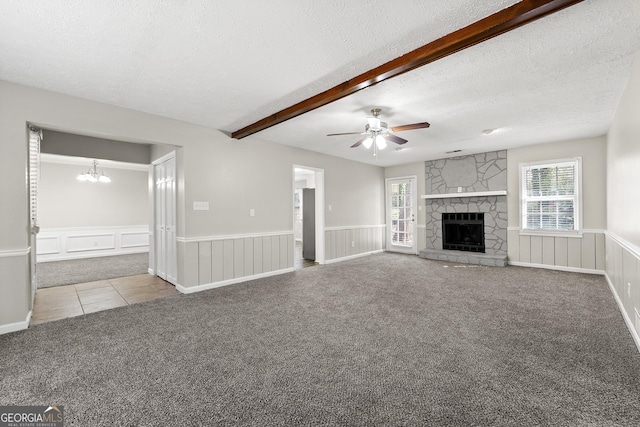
(379, 132)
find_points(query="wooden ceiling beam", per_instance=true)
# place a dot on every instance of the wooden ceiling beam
(500, 22)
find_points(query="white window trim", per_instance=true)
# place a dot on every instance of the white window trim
(566, 233)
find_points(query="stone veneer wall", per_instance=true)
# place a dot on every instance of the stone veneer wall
(468, 174)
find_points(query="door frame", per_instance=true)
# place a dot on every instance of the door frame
(414, 202)
(152, 232)
(319, 178)
(34, 227)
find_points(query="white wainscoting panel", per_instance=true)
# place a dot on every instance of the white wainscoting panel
(216, 261)
(48, 245)
(16, 282)
(91, 242)
(57, 244)
(422, 237)
(585, 253)
(211, 262)
(623, 276)
(348, 242)
(132, 239)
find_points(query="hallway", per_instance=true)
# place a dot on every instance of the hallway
(299, 261)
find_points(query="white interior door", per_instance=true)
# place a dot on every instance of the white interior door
(165, 220)
(159, 230)
(402, 200)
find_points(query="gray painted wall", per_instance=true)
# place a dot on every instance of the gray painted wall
(623, 203)
(594, 163)
(584, 252)
(233, 176)
(63, 201)
(623, 164)
(69, 144)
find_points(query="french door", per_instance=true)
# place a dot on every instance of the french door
(165, 220)
(402, 200)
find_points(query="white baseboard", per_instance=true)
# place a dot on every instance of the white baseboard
(199, 288)
(346, 258)
(17, 326)
(557, 267)
(627, 320)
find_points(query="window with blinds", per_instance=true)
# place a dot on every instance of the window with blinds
(550, 196)
(35, 135)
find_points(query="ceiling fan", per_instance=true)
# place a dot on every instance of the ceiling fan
(379, 132)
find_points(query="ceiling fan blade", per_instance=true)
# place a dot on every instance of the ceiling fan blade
(396, 139)
(357, 144)
(410, 127)
(347, 133)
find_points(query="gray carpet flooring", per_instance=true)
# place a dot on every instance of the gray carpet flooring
(71, 272)
(382, 340)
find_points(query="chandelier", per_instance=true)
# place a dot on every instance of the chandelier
(93, 175)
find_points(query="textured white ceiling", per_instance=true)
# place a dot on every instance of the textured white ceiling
(228, 64)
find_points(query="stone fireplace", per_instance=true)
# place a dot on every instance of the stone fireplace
(466, 209)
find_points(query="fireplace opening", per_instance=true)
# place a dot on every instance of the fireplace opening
(463, 231)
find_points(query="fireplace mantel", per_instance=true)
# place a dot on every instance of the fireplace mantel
(474, 194)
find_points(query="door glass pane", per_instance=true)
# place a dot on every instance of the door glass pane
(401, 211)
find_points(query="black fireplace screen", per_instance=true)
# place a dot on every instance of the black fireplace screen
(463, 231)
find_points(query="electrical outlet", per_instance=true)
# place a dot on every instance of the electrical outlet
(353, 244)
(329, 208)
(200, 206)
(459, 189)
(252, 212)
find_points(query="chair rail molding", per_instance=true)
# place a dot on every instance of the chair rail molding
(15, 253)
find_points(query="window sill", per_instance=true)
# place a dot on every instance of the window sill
(551, 233)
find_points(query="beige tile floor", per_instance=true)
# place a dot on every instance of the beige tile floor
(74, 300)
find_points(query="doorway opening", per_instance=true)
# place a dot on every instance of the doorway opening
(90, 231)
(90, 240)
(308, 216)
